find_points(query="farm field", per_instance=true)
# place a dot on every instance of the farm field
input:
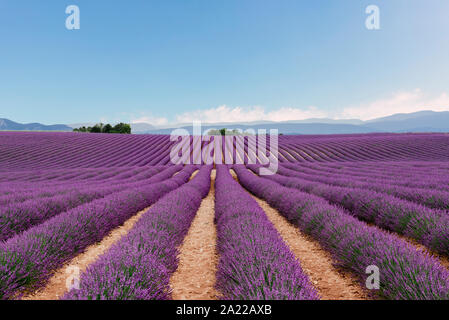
(116, 211)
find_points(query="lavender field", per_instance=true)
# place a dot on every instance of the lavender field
(132, 222)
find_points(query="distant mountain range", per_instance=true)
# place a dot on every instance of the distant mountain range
(423, 121)
(8, 125)
(284, 128)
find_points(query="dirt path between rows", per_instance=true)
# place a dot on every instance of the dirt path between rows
(330, 282)
(195, 277)
(56, 286)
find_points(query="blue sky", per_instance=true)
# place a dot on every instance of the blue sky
(213, 60)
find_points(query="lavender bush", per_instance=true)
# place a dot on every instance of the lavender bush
(140, 264)
(405, 273)
(27, 260)
(433, 198)
(18, 217)
(427, 226)
(255, 263)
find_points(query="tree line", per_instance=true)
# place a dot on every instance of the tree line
(226, 132)
(123, 128)
(233, 132)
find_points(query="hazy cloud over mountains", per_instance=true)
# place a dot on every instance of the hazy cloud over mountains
(399, 102)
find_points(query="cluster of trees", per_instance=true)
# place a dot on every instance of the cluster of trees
(233, 132)
(106, 128)
(226, 132)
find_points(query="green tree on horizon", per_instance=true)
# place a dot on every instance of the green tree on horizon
(122, 128)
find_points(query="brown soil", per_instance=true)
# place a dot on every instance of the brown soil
(195, 277)
(331, 282)
(194, 174)
(56, 286)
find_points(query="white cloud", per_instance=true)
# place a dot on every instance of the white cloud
(156, 121)
(247, 114)
(400, 102)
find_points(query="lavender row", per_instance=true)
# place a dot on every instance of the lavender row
(22, 192)
(36, 151)
(406, 173)
(255, 263)
(140, 264)
(427, 226)
(27, 260)
(431, 198)
(46, 175)
(431, 182)
(113, 175)
(16, 197)
(16, 218)
(405, 166)
(68, 150)
(405, 273)
(367, 147)
(381, 169)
